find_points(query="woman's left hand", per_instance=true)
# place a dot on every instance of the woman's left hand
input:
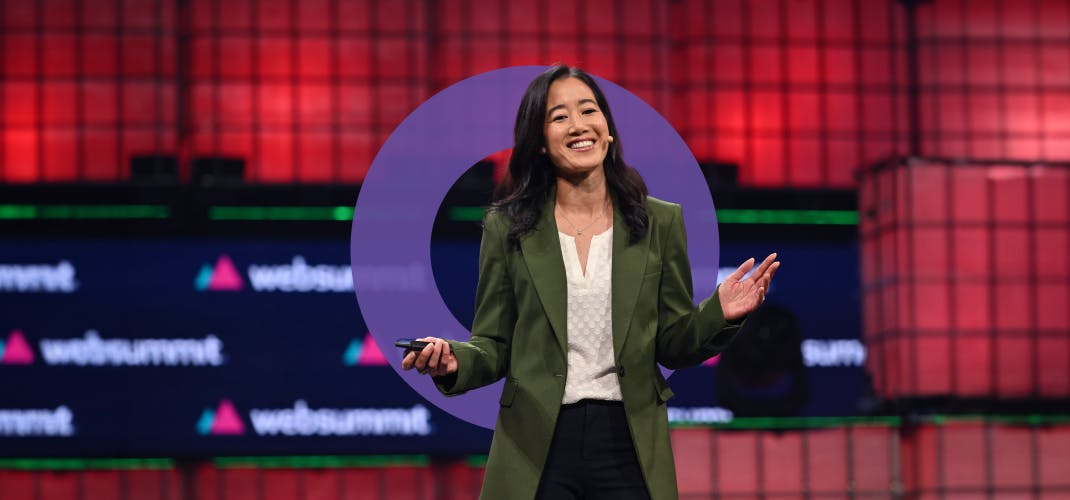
(741, 296)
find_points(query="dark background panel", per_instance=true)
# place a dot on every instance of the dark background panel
(283, 347)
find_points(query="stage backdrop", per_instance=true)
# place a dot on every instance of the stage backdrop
(200, 347)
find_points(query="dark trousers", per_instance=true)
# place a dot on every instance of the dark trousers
(591, 456)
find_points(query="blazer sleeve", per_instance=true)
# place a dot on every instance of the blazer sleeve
(687, 334)
(484, 358)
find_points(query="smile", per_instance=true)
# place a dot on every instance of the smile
(583, 145)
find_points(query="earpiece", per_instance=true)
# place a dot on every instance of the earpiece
(609, 138)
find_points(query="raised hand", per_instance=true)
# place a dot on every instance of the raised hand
(741, 296)
(435, 359)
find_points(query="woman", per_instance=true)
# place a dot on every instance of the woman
(584, 288)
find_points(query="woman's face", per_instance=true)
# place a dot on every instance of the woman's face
(577, 135)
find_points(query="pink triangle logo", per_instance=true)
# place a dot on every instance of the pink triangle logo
(227, 420)
(712, 361)
(16, 350)
(370, 355)
(225, 276)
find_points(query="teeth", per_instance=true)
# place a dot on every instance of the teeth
(581, 144)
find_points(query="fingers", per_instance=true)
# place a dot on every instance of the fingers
(764, 274)
(441, 368)
(436, 356)
(409, 361)
(769, 268)
(765, 265)
(740, 271)
(451, 366)
(769, 275)
(423, 357)
(434, 359)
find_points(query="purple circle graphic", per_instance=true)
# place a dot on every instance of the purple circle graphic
(390, 244)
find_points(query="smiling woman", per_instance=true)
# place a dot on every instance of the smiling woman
(577, 135)
(584, 289)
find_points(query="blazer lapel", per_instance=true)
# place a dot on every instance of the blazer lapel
(629, 266)
(541, 249)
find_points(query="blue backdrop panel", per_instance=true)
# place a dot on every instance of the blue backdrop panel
(173, 348)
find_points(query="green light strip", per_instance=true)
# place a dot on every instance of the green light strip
(813, 217)
(345, 214)
(292, 213)
(320, 462)
(760, 423)
(475, 214)
(726, 216)
(466, 214)
(61, 212)
(9, 212)
(1001, 419)
(476, 461)
(86, 463)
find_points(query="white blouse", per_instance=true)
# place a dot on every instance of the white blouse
(591, 371)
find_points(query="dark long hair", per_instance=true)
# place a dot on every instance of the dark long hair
(530, 177)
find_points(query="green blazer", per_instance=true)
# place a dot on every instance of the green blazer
(519, 332)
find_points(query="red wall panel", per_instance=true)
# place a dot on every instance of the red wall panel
(102, 74)
(955, 459)
(798, 94)
(101, 484)
(58, 485)
(18, 485)
(966, 273)
(986, 67)
(963, 460)
(322, 484)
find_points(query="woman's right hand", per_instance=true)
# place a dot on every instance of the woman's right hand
(435, 359)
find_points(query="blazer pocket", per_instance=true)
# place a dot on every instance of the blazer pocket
(508, 393)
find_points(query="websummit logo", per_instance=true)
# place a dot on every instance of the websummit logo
(223, 277)
(223, 421)
(15, 350)
(363, 353)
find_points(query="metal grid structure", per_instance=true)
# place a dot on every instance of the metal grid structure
(940, 459)
(303, 91)
(994, 79)
(86, 85)
(797, 93)
(966, 280)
